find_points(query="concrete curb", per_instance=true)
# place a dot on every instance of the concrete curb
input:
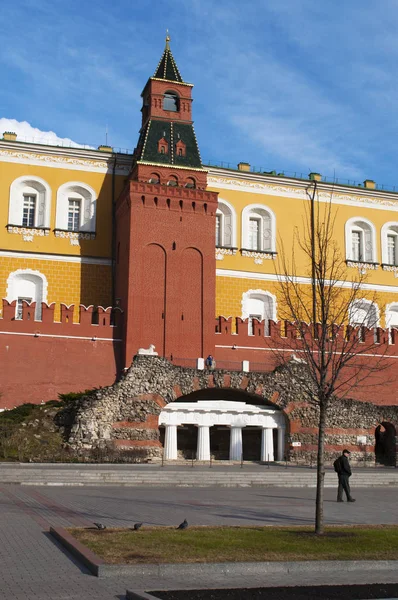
(98, 567)
(138, 595)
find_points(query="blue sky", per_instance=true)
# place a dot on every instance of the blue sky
(295, 85)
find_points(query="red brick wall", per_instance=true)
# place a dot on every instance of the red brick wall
(40, 359)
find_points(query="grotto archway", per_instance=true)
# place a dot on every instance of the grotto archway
(224, 424)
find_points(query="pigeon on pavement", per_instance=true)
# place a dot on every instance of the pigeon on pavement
(100, 526)
(137, 526)
(183, 525)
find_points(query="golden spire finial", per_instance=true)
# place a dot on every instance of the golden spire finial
(167, 40)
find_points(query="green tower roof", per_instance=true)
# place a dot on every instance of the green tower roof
(167, 68)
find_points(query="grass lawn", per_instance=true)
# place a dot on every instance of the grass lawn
(240, 544)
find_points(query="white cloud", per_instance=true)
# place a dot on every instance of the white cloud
(27, 133)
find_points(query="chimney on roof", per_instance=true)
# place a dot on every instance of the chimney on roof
(10, 136)
(369, 184)
(315, 177)
(244, 166)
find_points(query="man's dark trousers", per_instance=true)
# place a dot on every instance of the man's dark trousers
(343, 485)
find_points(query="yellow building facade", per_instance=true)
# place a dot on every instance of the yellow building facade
(56, 243)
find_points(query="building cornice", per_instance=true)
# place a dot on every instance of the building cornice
(65, 158)
(296, 188)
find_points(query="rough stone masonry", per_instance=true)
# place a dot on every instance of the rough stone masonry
(125, 415)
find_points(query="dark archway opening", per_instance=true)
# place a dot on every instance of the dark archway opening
(385, 444)
(219, 442)
(229, 394)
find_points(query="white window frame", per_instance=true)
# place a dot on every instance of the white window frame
(30, 185)
(76, 190)
(30, 198)
(391, 309)
(248, 314)
(360, 224)
(260, 211)
(226, 210)
(371, 305)
(13, 289)
(79, 200)
(390, 228)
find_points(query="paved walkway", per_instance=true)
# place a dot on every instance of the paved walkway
(33, 566)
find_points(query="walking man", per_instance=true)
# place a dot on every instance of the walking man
(342, 466)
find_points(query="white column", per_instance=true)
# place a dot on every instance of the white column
(281, 443)
(267, 445)
(203, 447)
(235, 443)
(170, 442)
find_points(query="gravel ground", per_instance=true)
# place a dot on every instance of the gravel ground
(325, 592)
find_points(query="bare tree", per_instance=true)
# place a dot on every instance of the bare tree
(332, 323)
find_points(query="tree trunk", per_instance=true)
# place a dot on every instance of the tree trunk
(320, 469)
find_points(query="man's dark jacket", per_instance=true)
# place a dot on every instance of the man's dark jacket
(345, 469)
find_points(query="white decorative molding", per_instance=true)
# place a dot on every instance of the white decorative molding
(260, 295)
(28, 233)
(362, 266)
(221, 252)
(303, 280)
(392, 268)
(293, 191)
(66, 162)
(68, 258)
(74, 236)
(259, 257)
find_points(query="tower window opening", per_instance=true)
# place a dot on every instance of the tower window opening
(173, 181)
(191, 183)
(171, 102)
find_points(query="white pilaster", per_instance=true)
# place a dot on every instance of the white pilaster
(203, 447)
(281, 443)
(267, 445)
(170, 442)
(235, 443)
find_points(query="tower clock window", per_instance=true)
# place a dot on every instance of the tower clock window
(171, 102)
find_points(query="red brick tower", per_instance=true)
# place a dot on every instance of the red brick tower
(165, 224)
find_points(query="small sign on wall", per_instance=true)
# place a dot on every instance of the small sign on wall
(296, 444)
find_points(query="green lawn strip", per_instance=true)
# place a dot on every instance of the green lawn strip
(240, 544)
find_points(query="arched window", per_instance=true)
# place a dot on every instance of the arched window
(364, 313)
(171, 101)
(190, 182)
(76, 207)
(260, 305)
(30, 202)
(173, 181)
(360, 240)
(258, 228)
(225, 225)
(389, 244)
(27, 285)
(154, 178)
(392, 315)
